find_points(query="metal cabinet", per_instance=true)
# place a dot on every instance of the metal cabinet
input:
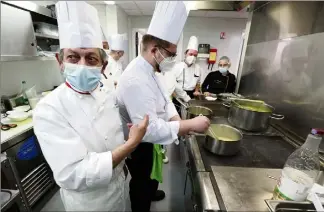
(32, 175)
(17, 32)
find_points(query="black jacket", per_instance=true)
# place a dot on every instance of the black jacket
(216, 83)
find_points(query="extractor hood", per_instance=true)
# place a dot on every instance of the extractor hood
(218, 5)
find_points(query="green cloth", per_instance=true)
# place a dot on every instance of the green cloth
(156, 173)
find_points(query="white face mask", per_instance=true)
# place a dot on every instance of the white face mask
(190, 60)
(166, 64)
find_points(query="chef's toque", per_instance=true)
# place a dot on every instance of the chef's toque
(168, 20)
(193, 43)
(78, 24)
(118, 42)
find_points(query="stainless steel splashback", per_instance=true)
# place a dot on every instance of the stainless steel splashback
(284, 68)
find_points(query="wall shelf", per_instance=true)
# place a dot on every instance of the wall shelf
(39, 35)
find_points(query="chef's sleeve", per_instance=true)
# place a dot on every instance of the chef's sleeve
(74, 166)
(180, 93)
(140, 100)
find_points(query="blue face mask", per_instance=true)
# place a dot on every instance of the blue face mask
(82, 78)
(223, 70)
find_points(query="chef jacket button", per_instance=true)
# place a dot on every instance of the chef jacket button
(94, 117)
(106, 137)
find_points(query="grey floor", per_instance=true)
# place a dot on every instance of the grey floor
(173, 177)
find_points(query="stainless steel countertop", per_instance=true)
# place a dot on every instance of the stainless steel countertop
(244, 189)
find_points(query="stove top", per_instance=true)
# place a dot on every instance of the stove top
(256, 151)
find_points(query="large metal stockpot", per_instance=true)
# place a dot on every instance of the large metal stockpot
(196, 110)
(222, 139)
(251, 115)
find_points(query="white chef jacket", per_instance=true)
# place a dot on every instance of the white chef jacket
(168, 79)
(187, 77)
(140, 92)
(114, 69)
(77, 133)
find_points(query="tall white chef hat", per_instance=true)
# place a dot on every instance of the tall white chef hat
(78, 24)
(193, 43)
(168, 20)
(118, 42)
(103, 36)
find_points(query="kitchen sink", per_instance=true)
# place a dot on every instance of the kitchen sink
(289, 206)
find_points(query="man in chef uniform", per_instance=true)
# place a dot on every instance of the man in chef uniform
(78, 125)
(188, 72)
(117, 45)
(140, 92)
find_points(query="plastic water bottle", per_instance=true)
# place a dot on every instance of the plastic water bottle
(301, 170)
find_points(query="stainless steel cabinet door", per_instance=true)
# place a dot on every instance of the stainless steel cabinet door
(17, 32)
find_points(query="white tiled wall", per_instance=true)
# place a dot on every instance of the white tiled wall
(43, 74)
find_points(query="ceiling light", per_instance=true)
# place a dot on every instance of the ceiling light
(109, 2)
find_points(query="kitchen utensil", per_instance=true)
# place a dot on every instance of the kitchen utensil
(194, 111)
(33, 102)
(24, 108)
(250, 115)
(224, 139)
(6, 127)
(18, 116)
(31, 92)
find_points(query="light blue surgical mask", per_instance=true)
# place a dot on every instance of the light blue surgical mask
(82, 78)
(223, 70)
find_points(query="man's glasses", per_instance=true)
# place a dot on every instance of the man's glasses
(170, 54)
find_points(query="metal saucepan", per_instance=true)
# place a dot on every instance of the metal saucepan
(251, 115)
(222, 139)
(194, 111)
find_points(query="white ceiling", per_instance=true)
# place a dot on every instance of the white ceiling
(139, 8)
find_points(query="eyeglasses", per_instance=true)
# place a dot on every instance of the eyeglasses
(170, 54)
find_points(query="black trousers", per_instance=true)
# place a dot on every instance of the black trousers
(190, 93)
(141, 187)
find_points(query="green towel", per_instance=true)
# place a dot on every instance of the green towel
(156, 173)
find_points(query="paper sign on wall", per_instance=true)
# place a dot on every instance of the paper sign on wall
(222, 35)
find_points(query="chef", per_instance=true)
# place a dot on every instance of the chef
(220, 81)
(169, 81)
(117, 48)
(188, 72)
(140, 92)
(78, 125)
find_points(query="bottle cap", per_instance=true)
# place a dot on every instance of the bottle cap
(316, 131)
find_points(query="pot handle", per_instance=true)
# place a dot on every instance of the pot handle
(182, 103)
(227, 104)
(277, 116)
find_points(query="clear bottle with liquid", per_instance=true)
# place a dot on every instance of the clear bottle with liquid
(301, 170)
(21, 98)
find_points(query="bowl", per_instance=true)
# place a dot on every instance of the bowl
(23, 108)
(17, 116)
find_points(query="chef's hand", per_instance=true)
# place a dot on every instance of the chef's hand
(207, 94)
(196, 93)
(137, 131)
(200, 124)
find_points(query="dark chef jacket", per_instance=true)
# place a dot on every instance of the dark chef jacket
(216, 83)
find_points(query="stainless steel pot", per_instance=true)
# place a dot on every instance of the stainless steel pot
(194, 111)
(241, 116)
(223, 140)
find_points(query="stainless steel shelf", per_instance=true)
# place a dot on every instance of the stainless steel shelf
(39, 35)
(24, 58)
